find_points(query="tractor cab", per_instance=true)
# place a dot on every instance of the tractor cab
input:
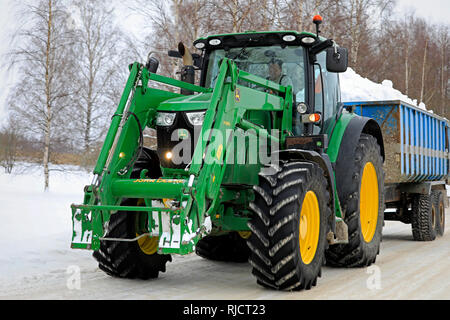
(307, 63)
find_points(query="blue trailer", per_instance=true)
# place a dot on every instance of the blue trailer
(416, 165)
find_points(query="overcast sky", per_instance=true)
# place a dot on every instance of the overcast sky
(436, 11)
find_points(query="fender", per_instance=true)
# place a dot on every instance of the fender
(324, 162)
(347, 141)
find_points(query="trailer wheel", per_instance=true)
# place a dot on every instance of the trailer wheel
(440, 210)
(231, 247)
(364, 208)
(289, 227)
(137, 259)
(424, 218)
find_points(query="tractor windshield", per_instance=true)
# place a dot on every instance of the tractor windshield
(284, 66)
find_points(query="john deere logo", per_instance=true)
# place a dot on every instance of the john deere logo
(238, 95)
(183, 134)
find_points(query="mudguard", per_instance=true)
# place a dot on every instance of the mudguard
(357, 126)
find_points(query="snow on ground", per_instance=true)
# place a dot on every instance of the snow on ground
(36, 226)
(356, 88)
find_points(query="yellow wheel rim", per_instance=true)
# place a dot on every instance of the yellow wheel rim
(148, 245)
(309, 228)
(245, 234)
(441, 214)
(369, 202)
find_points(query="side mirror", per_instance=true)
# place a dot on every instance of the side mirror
(337, 59)
(152, 65)
(198, 61)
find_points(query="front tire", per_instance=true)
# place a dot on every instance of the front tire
(129, 260)
(137, 259)
(289, 228)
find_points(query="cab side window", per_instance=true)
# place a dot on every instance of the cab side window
(331, 92)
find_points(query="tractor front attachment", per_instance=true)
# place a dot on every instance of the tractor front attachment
(180, 207)
(166, 219)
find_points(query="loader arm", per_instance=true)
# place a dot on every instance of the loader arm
(198, 192)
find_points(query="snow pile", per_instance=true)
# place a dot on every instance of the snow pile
(36, 227)
(355, 88)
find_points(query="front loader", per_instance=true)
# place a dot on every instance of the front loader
(246, 168)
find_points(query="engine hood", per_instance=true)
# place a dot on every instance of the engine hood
(186, 103)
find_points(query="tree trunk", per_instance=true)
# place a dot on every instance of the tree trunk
(300, 16)
(48, 122)
(423, 71)
(87, 132)
(234, 15)
(407, 68)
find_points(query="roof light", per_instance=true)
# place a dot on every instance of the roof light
(308, 40)
(215, 42)
(200, 45)
(289, 38)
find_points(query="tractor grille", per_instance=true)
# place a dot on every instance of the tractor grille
(178, 141)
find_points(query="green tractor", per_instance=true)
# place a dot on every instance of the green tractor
(260, 162)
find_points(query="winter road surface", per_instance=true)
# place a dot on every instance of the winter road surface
(405, 270)
(37, 263)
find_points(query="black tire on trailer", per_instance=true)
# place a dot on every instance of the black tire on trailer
(364, 208)
(424, 217)
(230, 247)
(440, 212)
(138, 259)
(289, 226)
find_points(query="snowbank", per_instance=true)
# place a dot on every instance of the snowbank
(36, 227)
(355, 88)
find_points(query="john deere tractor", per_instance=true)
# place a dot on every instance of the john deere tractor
(250, 165)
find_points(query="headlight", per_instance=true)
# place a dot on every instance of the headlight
(165, 119)
(196, 118)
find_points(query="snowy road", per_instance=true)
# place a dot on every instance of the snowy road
(406, 270)
(37, 263)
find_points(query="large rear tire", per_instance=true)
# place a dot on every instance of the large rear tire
(137, 259)
(364, 208)
(289, 227)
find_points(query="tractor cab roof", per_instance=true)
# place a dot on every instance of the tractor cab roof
(253, 38)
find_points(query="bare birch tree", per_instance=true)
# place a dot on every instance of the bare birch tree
(44, 60)
(98, 41)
